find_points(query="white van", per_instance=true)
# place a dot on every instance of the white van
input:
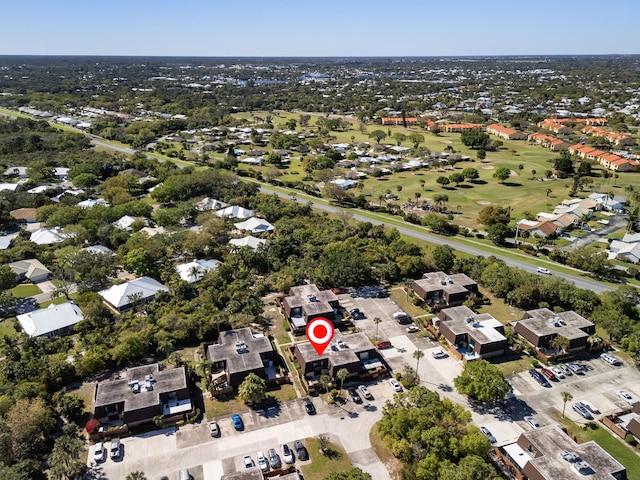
(114, 449)
(184, 474)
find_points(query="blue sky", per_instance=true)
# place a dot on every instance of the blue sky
(319, 28)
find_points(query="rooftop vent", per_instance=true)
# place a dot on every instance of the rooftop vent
(469, 319)
(241, 347)
(443, 282)
(583, 468)
(556, 322)
(312, 298)
(570, 457)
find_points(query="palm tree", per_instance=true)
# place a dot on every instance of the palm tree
(324, 381)
(175, 358)
(566, 397)
(418, 354)
(377, 321)
(422, 182)
(342, 374)
(166, 346)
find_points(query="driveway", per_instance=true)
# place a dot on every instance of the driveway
(616, 222)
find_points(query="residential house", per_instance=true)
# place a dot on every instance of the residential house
(574, 209)
(30, 269)
(5, 240)
(603, 200)
(506, 133)
(126, 295)
(8, 187)
(207, 204)
(240, 352)
(473, 335)
(53, 321)
(306, 302)
(555, 127)
(353, 351)
(548, 453)
(563, 221)
(194, 271)
(48, 236)
(542, 229)
(250, 242)
(631, 237)
(17, 172)
(460, 127)
(92, 202)
(99, 250)
(255, 226)
(439, 290)
(613, 137)
(235, 211)
(621, 250)
(125, 222)
(552, 143)
(24, 215)
(399, 120)
(144, 393)
(539, 327)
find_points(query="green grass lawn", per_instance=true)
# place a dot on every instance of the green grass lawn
(499, 309)
(609, 442)
(217, 408)
(322, 465)
(25, 290)
(6, 327)
(55, 301)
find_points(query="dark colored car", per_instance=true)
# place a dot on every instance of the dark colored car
(353, 393)
(537, 376)
(356, 313)
(308, 406)
(549, 374)
(301, 451)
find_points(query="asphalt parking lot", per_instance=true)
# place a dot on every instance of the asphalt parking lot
(598, 385)
(167, 451)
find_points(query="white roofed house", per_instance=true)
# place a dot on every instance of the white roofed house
(207, 204)
(48, 236)
(126, 295)
(193, 271)
(51, 321)
(250, 242)
(92, 202)
(254, 225)
(235, 211)
(624, 251)
(125, 223)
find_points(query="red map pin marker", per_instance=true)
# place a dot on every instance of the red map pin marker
(320, 333)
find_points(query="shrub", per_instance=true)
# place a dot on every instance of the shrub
(92, 426)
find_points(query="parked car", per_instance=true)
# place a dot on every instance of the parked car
(439, 353)
(248, 462)
(549, 374)
(543, 270)
(339, 291)
(402, 318)
(309, 406)
(287, 454)
(301, 451)
(590, 406)
(578, 407)
(237, 422)
(565, 369)
(610, 359)
(99, 453)
(114, 449)
(557, 371)
(214, 429)
(365, 392)
(626, 397)
(356, 313)
(262, 461)
(353, 393)
(537, 376)
(575, 368)
(532, 421)
(395, 384)
(487, 432)
(413, 328)
(383, 345)
(274, 459)
(382, 294)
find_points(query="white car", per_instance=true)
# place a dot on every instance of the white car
(546, 271)
(99, 452)
(395, 384)
(626, 397)
(262, 461)
(365, 392)
(214, 429)
(248, 462)
(557, 371)
(532, 421)
(610, 359)
(287, 454)
(439, 353)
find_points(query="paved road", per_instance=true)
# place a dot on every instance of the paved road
(411, 232)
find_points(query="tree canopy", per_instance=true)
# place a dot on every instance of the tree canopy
(482, 381)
